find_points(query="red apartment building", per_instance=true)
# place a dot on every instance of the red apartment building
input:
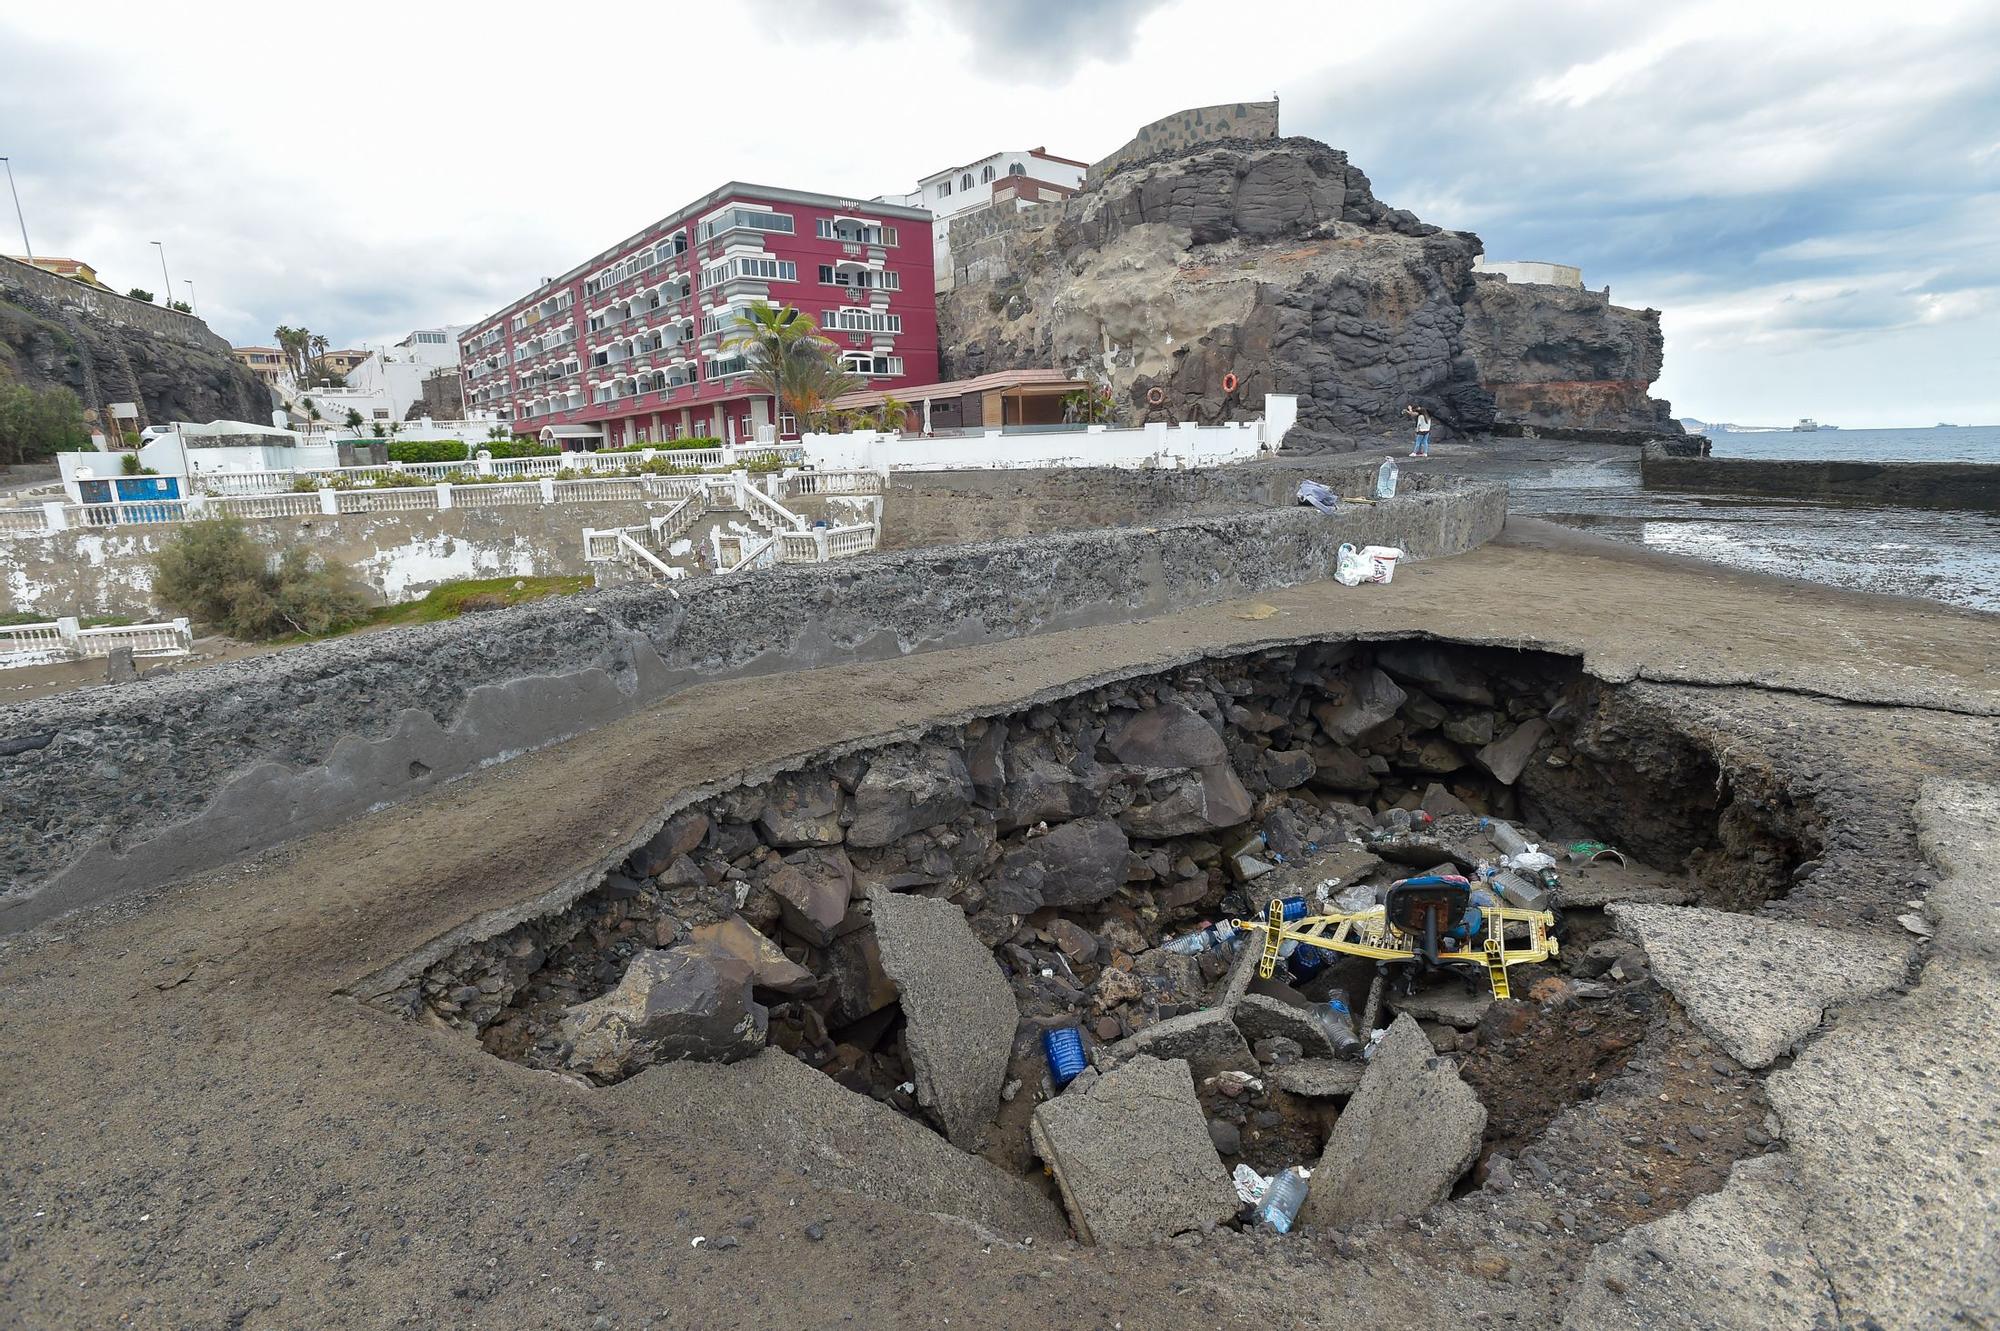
(626, 347)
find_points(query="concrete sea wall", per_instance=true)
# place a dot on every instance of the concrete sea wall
(109, 571)
(1945, 485)
(111, 791)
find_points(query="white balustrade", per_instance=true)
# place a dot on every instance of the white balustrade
(297, 505)
(495, 496)
(30, 639)
(22, 521)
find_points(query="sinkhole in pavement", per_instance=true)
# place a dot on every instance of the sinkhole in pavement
(908, 920)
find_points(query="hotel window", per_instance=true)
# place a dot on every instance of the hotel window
(944, 189)
(965, 181)
(985, 174)
(1017, 170)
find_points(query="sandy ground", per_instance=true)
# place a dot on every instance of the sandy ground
(203, 1131)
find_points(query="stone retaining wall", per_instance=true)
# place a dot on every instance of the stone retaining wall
(110, 306)
(1959, 485)
(401, 556)
(112, 791)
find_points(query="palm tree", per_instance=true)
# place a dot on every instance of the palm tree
(893, 414)
(789, 358)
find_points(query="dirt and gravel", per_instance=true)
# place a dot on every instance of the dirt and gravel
(203, 1130)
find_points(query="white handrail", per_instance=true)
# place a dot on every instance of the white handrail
(632, 548)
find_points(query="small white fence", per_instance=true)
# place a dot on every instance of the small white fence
(813, 545)
(67, 640)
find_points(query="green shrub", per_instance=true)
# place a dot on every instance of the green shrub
(213, 572)
(427, 450)
(129, 464)
(520, 448)
(39, 423)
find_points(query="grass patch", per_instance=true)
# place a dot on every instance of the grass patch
(449, 600)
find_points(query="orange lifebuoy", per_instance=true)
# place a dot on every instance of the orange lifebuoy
(1229, 382)
(1156, 395)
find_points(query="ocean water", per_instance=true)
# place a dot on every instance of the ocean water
(1953, 557)
(1966, 443)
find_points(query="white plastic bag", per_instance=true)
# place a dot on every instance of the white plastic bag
(1349, 568)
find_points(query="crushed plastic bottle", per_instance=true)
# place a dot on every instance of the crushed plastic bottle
(1063, 1047)
(1205, 939)
(1337, 1020)
(1385, 479)
(1283, 1197)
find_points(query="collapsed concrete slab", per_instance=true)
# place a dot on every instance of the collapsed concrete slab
(1738, 1257)
(1208, 1042)
(1757, 986)
(1507, 758)
(1262, 1017)
(959, 1007)
(803, 1120)
(1448, 1003)
(1133, 1156)
(1409, 1132)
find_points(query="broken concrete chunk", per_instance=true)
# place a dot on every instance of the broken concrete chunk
(1449, 1003)
(960, 1009)
(1757, 986)
(1372, 698)
(1506, 758)
(802, 809)
(1209, 1042)
(1321, 1078)
(1167, 736)
(670, 1005)
(769, 967)
(907, 791)
(1262, 1017)
(776, 1108)
(1405, 1137)
(1133, 1156)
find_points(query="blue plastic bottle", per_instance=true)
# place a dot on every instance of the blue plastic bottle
(1282, 1199)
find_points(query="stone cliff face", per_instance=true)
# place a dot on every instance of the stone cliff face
(107, 349)
(1565, 358)
(1269, 260)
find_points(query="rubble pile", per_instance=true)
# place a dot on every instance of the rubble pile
(913, 921)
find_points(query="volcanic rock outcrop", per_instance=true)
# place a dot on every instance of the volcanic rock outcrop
(1274, 262)
(106, 348)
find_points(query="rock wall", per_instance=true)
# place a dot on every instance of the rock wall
(1945, 485)
(1272, 260)
(110, 791)
(1561, 357)
(106, 348)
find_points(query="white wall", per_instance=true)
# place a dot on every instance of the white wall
(961, 200)
(393, 377)
(1532, 270)
(1156, 445)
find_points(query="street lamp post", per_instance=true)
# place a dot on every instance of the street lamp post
(17, 210)
(188, 282)
(166, 296)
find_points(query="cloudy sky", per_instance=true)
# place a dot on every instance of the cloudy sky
(1808, 191)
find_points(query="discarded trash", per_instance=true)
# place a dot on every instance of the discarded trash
(1250, 1185)
(1355, 899)
(1383, 559)
(1305, 962)
(1208, 938)
(1349, 569)
(1517, 889)
(1282, 1199)
(1591, 851)
(1337, 1020)
(1064, 1050)
(1293, 908)
(1385, 479)
(1504, 836)
(1318, 496)
(1531, 860)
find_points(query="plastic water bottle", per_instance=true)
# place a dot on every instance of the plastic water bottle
(1220, 934)
(1282, 1200)
(1294, 908)
(1064, 1050)
(1504, 836)
(1385, 479)
(1338, 1022)
(1306, 961)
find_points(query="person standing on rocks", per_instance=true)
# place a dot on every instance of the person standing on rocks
(1422, 447)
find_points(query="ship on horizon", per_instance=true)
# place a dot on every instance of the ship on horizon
(1807, 425)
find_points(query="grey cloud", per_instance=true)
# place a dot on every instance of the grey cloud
(1043, 39)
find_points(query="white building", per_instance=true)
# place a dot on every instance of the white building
(385, 386)
(999, 180)
(1531, 270)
